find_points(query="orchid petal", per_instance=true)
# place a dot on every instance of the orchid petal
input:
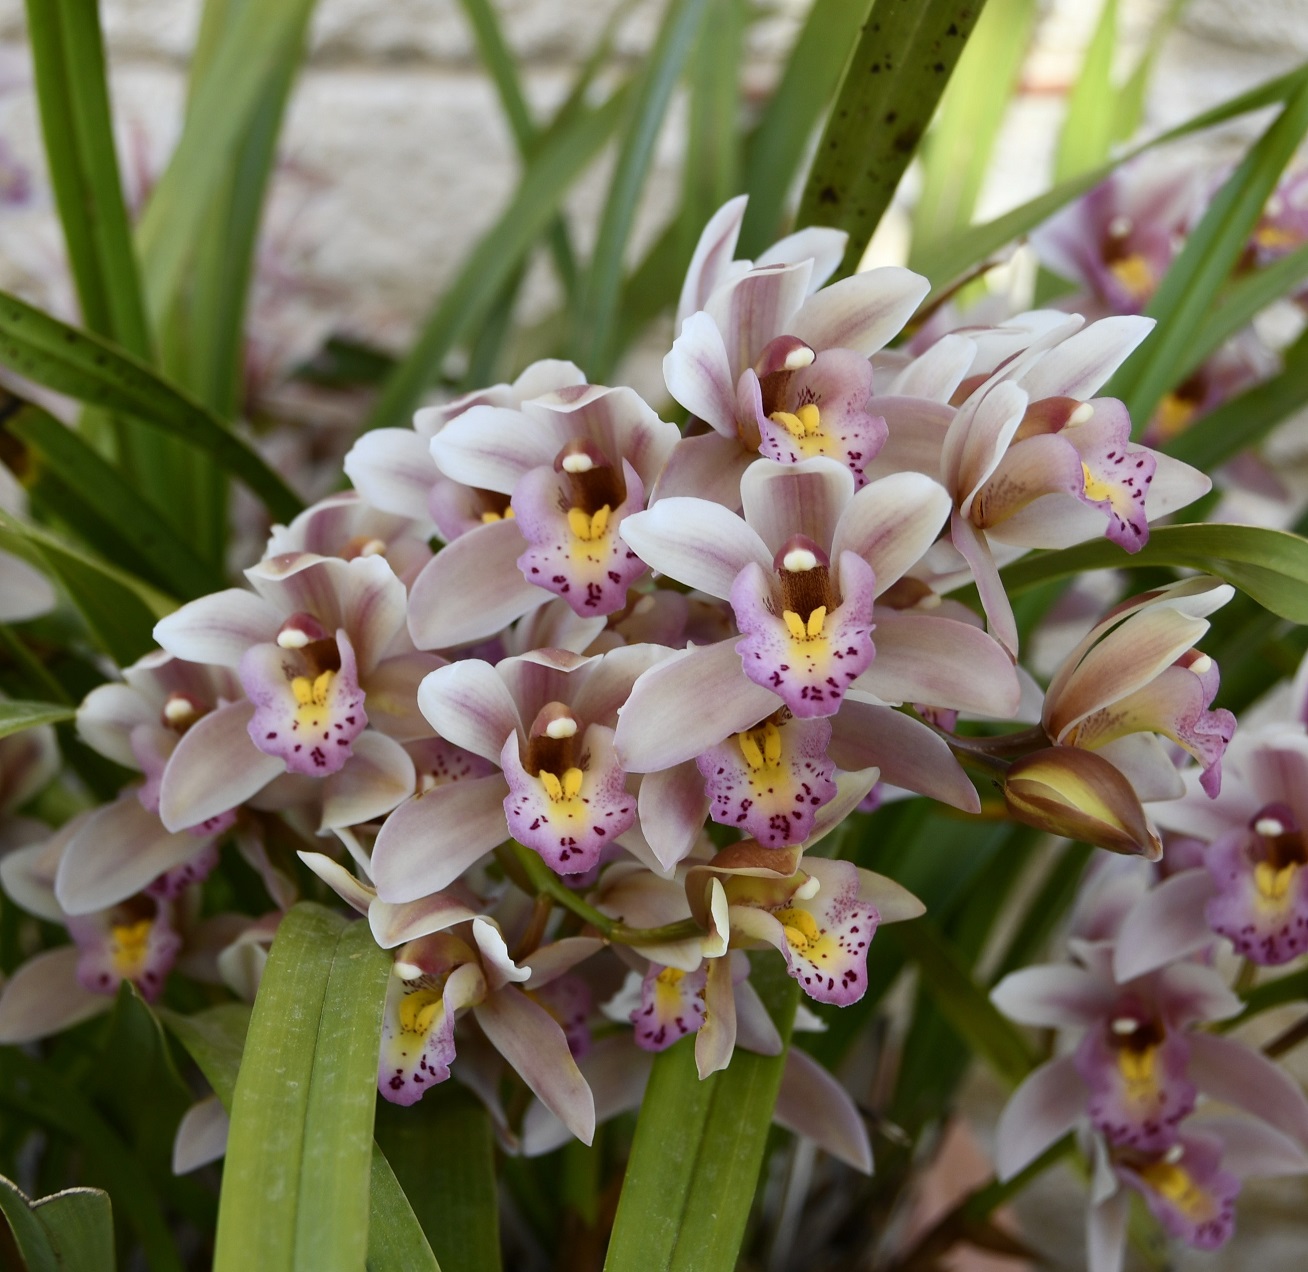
(428, 842)
(219, 628)
(783, 500)
(201, 1136)
(1045, 1107)
(812, 1103)
(695, 542)
(1237, 1074)
(529, 1038)
(1057, 996)
(891, 523)
(863, 312)
(44, 997)
(378, 776)
(393, 470)
(350, 889)
(698, 374)
(215, 767)
(1166, 924)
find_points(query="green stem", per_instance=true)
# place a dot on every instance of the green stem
(521, 861)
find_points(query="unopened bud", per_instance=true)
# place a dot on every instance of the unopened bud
(1068, 791)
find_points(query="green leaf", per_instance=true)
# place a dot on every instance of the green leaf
(956, 152)
(1087, 134)
(102, 488)
(697, 1153)
(780, 143)
(215, 1038)
(80, 1222)
(597, 303)
(894, 80)
(961, 1000)
(332, 1229)
(1270, 565)
(1240, 303)
(119, 610)
(1189, 289)
(93, 370)
(17, 716)
(454, 1195)
(68, 62)
(28, 1231)
(257, 50)
(1128, 103)
(299, 1153)
(562, 157)
(953, 259)
(40, 1092)
(1245, 420)
(711, 174)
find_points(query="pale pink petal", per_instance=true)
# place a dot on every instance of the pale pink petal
(107, 716)
(201, 1135)
(813, 1104)
(994, 600)
(935, 374)
(346, 886)
(1166, 924)
(716, 1039)
(820, 243)
(468, 704)
(1058, 996)
(499, 968)
(472, 588)
(783, 500)
(977, 439)
(1254, 1148)
(707, 466)
(392, 695)
(393, 470)
(551, 961)
(863, 313)
(1238, 1074)
(115, 853)
(44, 996)
(394, 925)
(529, 1038)
(891, 523)
(671, 808)
(695, 542)
(908, 753)
(664, 722)
(1106, 1232)
(894, 903)
(917, 431)
(215, 767)
(491, 447)
(219, 628)
(755, 307)
(428, 842)
(24, 592)
(1080, 365)
(1175, 485)
(377, 777)
(698, 374)
(712, 257)
(941, 662)
(616, 1072)
(1045, 1107)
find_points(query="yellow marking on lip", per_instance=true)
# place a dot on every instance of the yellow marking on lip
(418, 1010)
(130, 946)
(562, 790)
(1135, 274)
(311, 698)
(589, 527)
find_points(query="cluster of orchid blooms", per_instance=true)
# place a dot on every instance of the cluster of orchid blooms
(504, 754)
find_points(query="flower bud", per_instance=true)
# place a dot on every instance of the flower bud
(1079, 794)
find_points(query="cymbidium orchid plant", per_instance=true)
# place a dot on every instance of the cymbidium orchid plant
(545, 816)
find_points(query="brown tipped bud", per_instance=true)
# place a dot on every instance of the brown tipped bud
(1079, 794)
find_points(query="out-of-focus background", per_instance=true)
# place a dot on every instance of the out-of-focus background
(396, 156)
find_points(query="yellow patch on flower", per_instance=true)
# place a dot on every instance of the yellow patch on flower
(130, 947)
(489, 516)
(1135, 275)
(1173, 416)
(805, 426)
(800, 630)
(761, 747)
(1274, 884)
(1139, 1071)
(589, 527)
(418, 1011)
(311, 699)
(1176, 1185)
(804, 936)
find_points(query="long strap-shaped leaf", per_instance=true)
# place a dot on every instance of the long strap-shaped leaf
(597, 305)
(561, 158)
(952, 259)
(101, 487)
(299, 1156)
(68, 60)
(1187, 292)
(774, 152)
(1270, 565)
(93, 370)
(215, 1040)
(252, 53)
(697, 1153)
(894, 80)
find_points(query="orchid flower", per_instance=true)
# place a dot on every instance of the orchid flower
(545, 720)
(801, 569)
(774, 366)
(329, 680)
(393, 468)
(567, 468)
